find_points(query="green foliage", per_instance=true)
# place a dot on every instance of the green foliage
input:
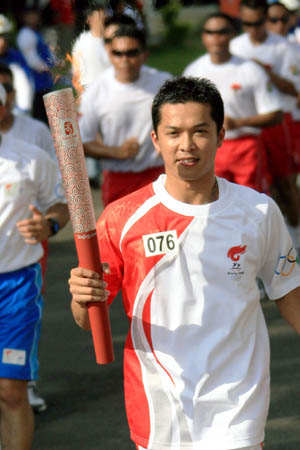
(175, 32)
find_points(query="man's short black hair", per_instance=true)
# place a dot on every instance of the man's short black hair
(255, 4)
(189, 89)
(132, 31)
(6, 70)
(220, 15)
(118, 19)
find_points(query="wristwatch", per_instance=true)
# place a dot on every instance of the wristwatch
(54, 226)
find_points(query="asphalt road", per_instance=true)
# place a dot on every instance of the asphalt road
(85, 400)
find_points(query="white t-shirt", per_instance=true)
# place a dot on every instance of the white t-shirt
(24, 89)
(90, 58)
(275, 52)
(244, 86)
(120, 111)
(27, 176)
(33, 131)
(196, 360)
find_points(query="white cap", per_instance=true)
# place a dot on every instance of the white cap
(291, 5)
(2, 94)
(5, 24)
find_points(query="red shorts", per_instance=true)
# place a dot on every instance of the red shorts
(278, 146)
(294, 132)
(117, 184)
(241, 161)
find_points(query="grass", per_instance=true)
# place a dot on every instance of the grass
(174, 58)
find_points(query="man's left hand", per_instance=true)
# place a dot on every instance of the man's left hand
(34, 229)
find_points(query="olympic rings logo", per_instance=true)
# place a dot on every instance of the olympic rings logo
(286, 264)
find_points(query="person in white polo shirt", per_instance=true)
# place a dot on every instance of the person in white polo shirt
(28, 178)
(251, 103)
(118, 106)
(186, 251)
(274, 54)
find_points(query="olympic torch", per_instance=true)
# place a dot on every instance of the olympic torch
(62, 117)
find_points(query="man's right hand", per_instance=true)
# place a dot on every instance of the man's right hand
(129, 148)
(86, 286)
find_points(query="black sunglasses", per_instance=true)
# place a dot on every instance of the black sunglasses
(129, 53)
(221, 31)
(107, 40)
(258, 23)
(8, 87)
(283, 19)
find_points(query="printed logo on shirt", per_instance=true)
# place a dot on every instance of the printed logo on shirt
(236, 271)
(12, 356)
(294, 70)
(287, 263)
(11, 190)
(161, 243)
(236, 86)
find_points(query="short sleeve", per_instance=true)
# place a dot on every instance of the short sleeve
(49, 187)
(89, 119)
(266, 95)
(279, 271)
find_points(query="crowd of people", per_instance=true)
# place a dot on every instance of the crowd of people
(198, 178)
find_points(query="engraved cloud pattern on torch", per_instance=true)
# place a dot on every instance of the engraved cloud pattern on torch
(62, 116)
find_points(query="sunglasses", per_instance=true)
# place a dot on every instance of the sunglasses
(8, 87)
(283, 19)
(256, 24)
(133, 53)
(107, 40)
(220, 32)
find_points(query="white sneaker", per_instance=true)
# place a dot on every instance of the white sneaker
(37, 403)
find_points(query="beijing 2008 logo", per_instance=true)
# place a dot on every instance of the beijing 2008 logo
(68, 127)
(236, 272)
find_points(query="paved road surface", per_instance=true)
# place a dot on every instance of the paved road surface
(85, 400)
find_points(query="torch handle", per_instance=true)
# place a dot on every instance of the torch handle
(89, 258)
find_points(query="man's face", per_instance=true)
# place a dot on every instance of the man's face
(216, 36)
(278, 20)
(107, 36)
(253, 21)
(187, 140)
(10, 92)
(3, 44)
(127, 58)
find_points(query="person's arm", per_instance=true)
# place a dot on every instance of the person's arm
(86, 286)
(283, 84)
(259, 120)
(27, 43)
(97, 149)
(289, 307)
(38, 227)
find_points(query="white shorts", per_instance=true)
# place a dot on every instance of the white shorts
(255, 447)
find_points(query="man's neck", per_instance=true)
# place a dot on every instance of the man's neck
(6, 123)
(259, 39)
(193, 193)
(220, 58)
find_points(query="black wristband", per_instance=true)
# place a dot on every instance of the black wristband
(54, 226)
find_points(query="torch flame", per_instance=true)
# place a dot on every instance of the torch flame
(76, 69)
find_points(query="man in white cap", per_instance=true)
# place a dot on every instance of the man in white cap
(28, 177)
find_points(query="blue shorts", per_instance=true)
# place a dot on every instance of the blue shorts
(21, 306)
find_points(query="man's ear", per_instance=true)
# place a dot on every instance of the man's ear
(155, 141)
(2, 111)
(221, 136)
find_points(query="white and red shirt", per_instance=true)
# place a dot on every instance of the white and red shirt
(196, 367)
(119, 111)
(245, 88)
(275, 52)
(27, 177)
